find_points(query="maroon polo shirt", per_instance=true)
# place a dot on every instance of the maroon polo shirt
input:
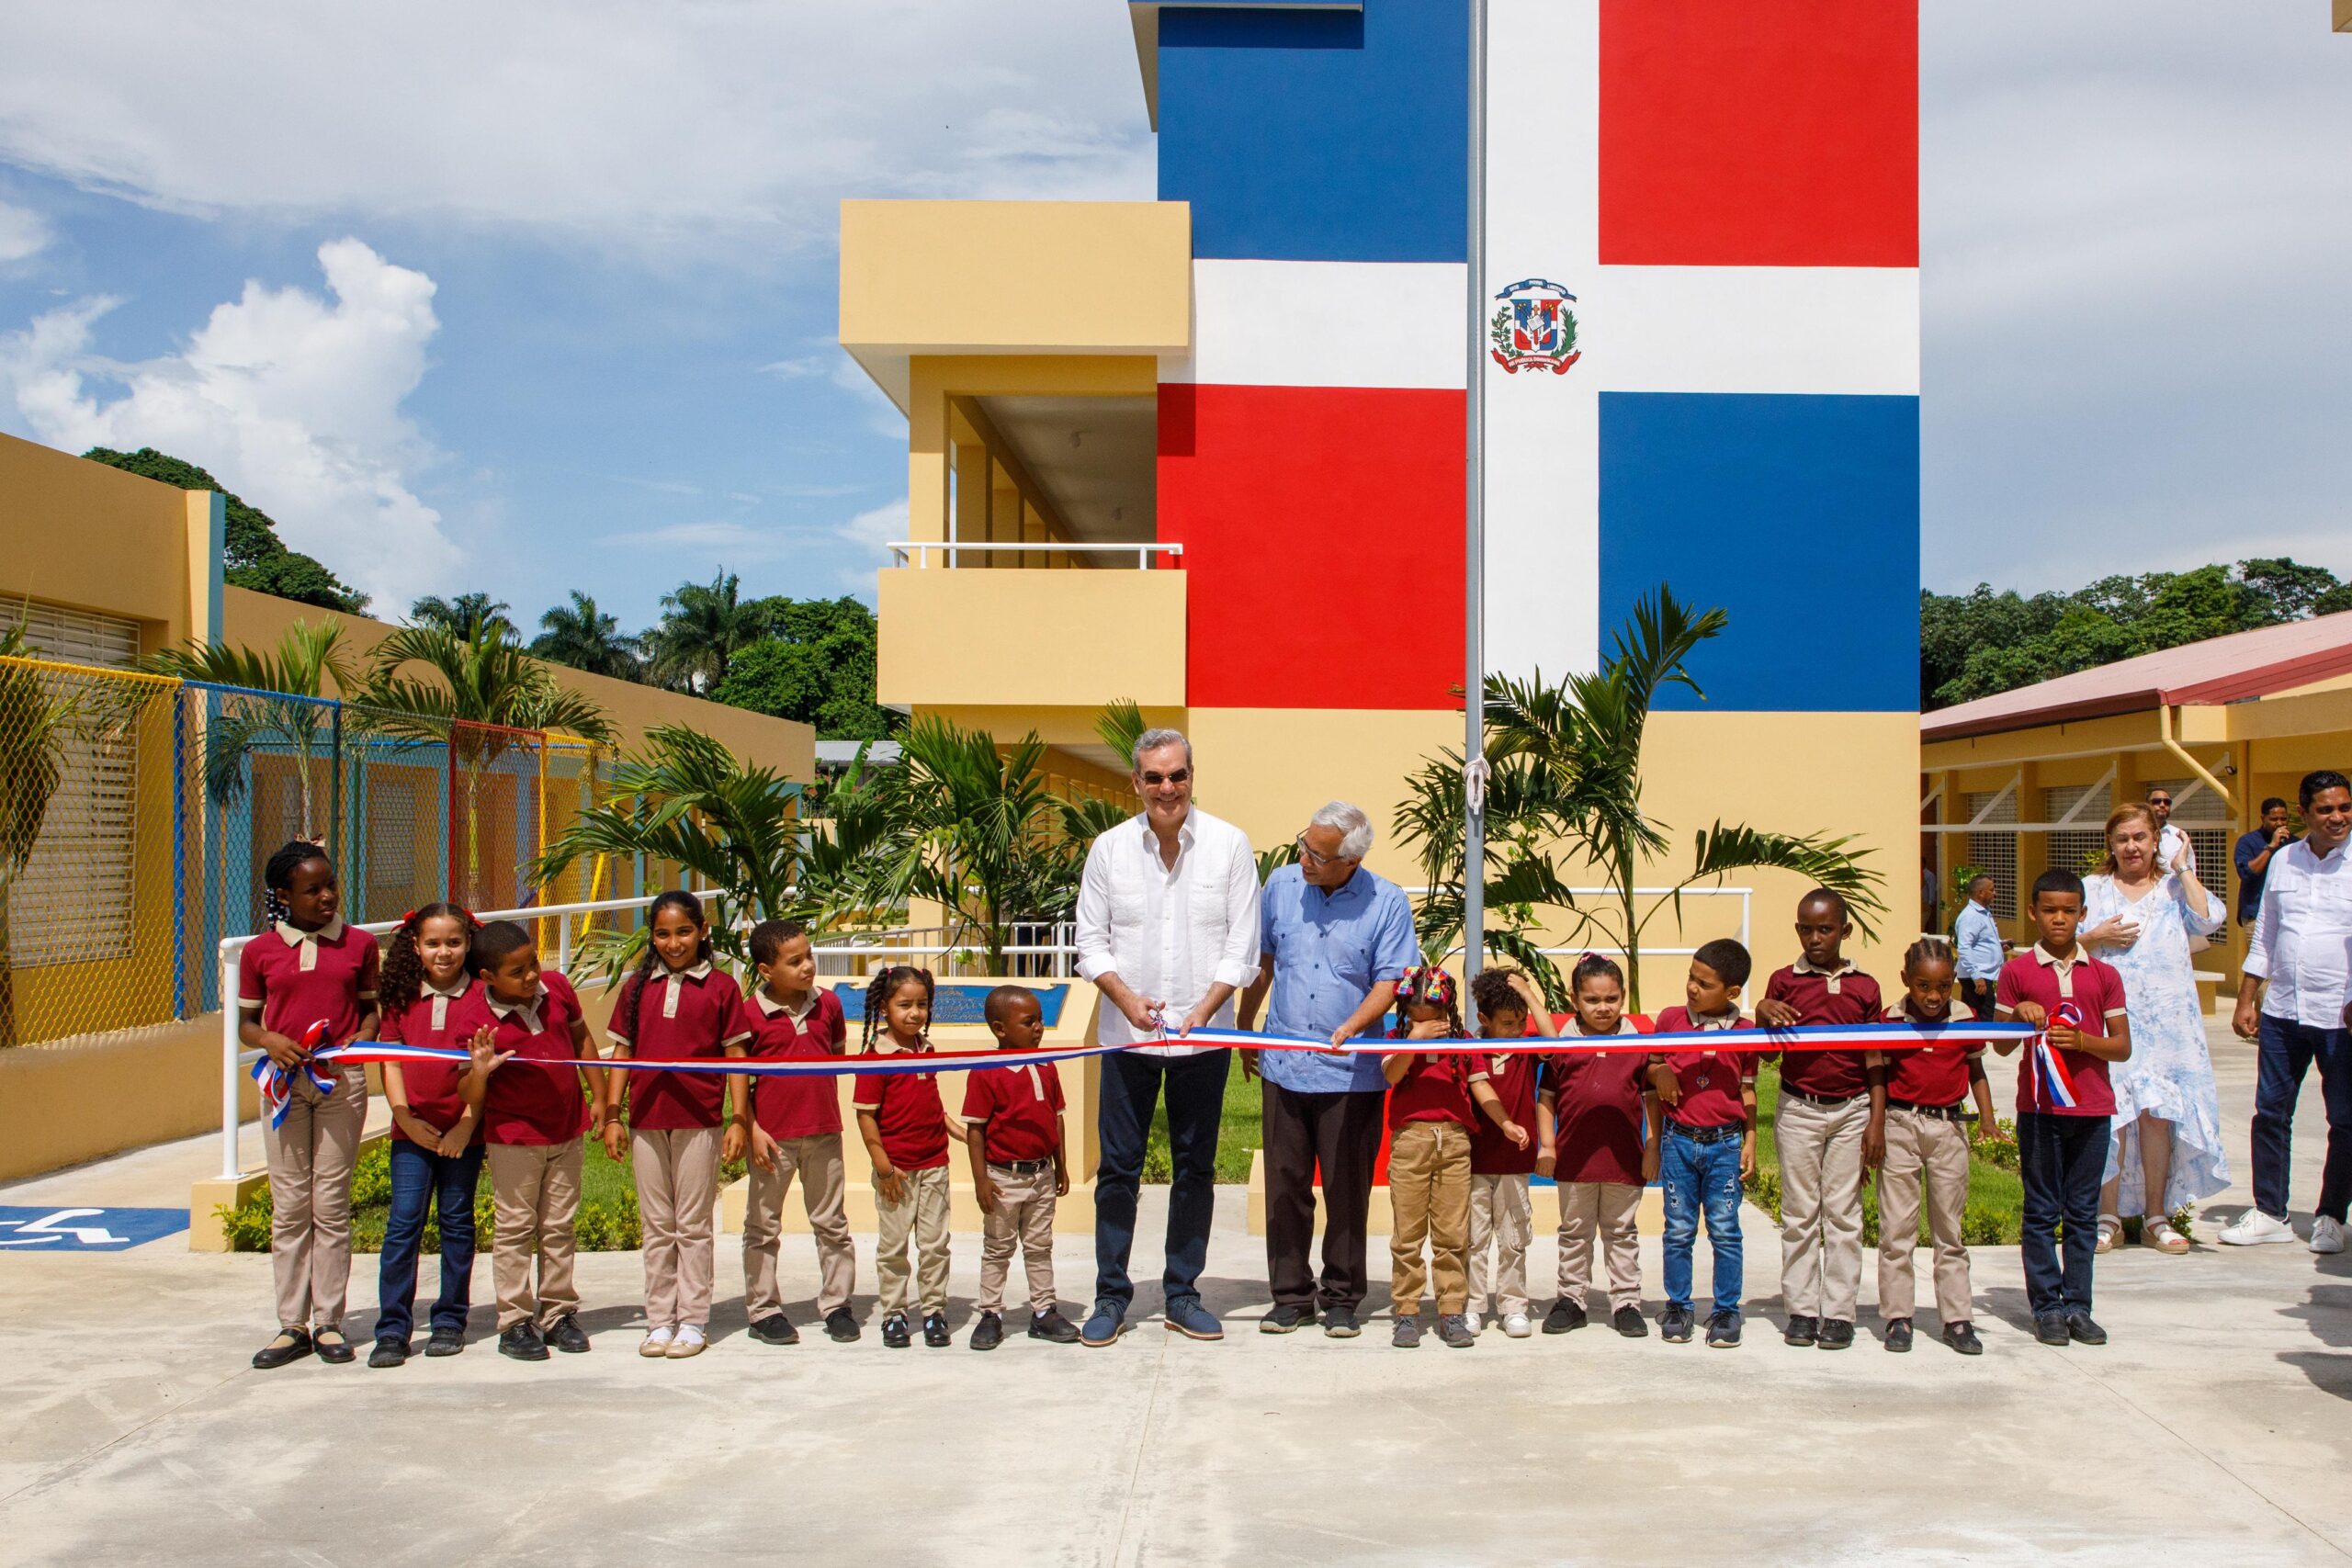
(528, 1104)
(290, 979)
(432, 1087)
(795, 1107)
(1513, 1076)
(1927, 1075)
(1709, 1080)
(907, 1112)
(1434, 1088)
(2097, 992)
(1019, 1107)
(1597, 1110)
(682, 1016)
(1846, 996)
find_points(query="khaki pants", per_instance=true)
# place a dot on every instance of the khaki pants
(1917, 1145)
(1023, 1213)
(535, 1192)
(1428, 1197)
(1500, 1222)
(923, 1213)
(1821, 1205)
(1602, 1212)
(311, 1157)
(824, 1194)
(677, 1196)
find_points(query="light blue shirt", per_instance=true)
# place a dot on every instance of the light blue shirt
(1979, 941)
(1328, 950)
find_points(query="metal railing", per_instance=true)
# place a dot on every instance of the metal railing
(1745, 894)
(916, 552)
(1038, 950)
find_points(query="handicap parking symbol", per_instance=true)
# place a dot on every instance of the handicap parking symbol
(85, 1230)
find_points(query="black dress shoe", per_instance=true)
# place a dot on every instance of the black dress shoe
(987, 1334)
(934, 1331)
(894, 1331)
(290, 1346)
(1836, 1334)
(1898, 1334)
(566, 1335)
(1674, 1324)
(776, 1329)
(1340, 1323)
(1962, 1336)
(1564, 1317)
(1285, 1320)
(839, 1326)
(2079, 1328)
(2051, 1330)
(524, 1342)
(1722, 1331)
(336, 1350)
(1629, 1322)
(389, 1353)
(445, 1342)
(1052, 1325)
(1802, 1331)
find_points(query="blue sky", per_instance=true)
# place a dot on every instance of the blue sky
(535, 299)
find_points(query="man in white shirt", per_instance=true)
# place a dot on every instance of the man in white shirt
(1168, 932)
(2171, 842)
(2293, 1000)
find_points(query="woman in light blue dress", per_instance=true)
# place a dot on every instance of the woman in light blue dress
(2140, 916)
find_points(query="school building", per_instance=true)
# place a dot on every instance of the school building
(1207, 451)
(2023, 781)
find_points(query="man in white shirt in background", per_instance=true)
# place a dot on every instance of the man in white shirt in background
(2293, 1000)
(2171, 842)
(1168, 932)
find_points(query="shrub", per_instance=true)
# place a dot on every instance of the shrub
(605, 1224)
(1764, 1191)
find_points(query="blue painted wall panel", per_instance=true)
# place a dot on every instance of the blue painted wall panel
(1317, 135)
(1798, 514)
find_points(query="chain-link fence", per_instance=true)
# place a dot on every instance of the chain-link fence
(137, 813)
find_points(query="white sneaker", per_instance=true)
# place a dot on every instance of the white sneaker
(1516, 1325)
(2257, 1229)
(688, 1341)
(656, 1343)
(1474, 1322)
(2327, 1235)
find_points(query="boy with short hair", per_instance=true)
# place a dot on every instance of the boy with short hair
(1828, 1101)
(1707, 1148)
(1013, 1118)
(2066, 1106)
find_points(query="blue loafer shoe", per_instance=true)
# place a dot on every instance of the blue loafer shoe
(1188, 1317)
(1110, 1321)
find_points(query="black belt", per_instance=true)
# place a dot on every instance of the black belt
(1022, 1167)
(1708, 1134)
(1956, 1112)
(1826, 1101)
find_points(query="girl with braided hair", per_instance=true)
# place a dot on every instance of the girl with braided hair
(907, 1134)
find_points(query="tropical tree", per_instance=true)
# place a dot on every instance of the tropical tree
(703, 626)
(463, 615)
(584, 637)
(252, 554)
(35, 722)
(1566, 790)
(293, 719)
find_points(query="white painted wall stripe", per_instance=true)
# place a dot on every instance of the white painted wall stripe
(1291, 323)
(1751, 329)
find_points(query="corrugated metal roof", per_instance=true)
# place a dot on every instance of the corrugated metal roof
(2218, 670)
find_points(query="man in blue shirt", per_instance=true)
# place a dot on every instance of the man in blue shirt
(1978, 941)
(2253, 857)
(1336, 941)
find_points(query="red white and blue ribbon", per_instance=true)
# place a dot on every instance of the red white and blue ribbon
(2053, 1084)
(277, 1083)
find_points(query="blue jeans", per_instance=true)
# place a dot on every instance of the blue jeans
(1702, 1178)
(2061, 1159)
(1132, 1086)
(423, 1180)
(2287, 1050)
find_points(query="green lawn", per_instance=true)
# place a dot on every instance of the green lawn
(1242, 1134)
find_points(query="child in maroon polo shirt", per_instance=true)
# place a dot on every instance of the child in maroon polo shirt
(1599, 1138)
(1827, 1101)
(1707, 1142)
(2065, 1104)
(1501, 1217)
(1012, 1123)
(906, 1133)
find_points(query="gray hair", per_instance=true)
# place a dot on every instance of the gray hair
(1153, 739)
(1355, 827)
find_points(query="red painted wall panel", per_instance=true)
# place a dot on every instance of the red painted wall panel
(1322, 528)
(1735, 133)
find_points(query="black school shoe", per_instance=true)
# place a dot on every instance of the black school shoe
(567, 1335)
(1051, 1325)
(934, 1331)
(1962, 1336)
(894, 1332)
(1629, 1322)
(1565, 1317)
(1898, 1334)
(840, 1327)
(1802, 1331)
(389, 1353)
(336, 1350)
(1674, 1324)
(776, 1329)
(1836, 1334)
(1722, 1331)
(2051, 1330)
(524, 1342)
(987, 1334)
(1340, 1323)
(2081, 1329)
(1285, 1320)
(288, 1346)
(445, 1342)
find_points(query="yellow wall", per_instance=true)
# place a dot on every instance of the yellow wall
(91, 537)
(61, 1105)
(1051, 639)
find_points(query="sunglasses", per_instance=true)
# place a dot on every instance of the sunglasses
(1182, 775)
(2160, 800)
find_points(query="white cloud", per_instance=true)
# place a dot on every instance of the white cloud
(24, 234)
(634, 124)
(724, 541)
(793, 369)
(868, 533)
(291, 399)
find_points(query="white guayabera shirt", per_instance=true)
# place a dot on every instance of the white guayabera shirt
(1169, 932)
(2302, 938)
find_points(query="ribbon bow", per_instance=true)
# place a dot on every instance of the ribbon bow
(277, 1083)
(2054, 1083)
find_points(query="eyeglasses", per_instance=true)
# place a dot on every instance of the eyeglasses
(1182, 775)
(1312, 857)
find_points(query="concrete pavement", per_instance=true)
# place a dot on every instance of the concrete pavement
(2215, 1428)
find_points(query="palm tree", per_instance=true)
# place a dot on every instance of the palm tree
(703, 626)
(584, 637)
(462, 616)
(241, 725)
(35, 722)
(1566, 789)
(484, 695)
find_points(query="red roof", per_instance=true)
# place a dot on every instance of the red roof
(2218, 670)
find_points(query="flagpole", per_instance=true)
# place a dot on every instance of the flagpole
(1474, 654)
